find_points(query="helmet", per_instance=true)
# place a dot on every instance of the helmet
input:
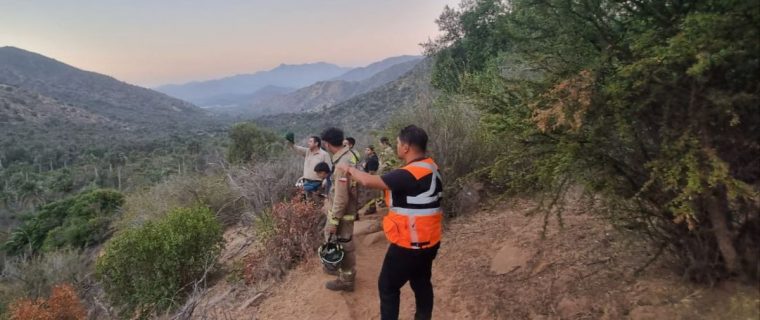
(290, 137)
(331, 254)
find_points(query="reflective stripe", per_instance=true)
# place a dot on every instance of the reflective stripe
(429, 196)
(423, 165)
(348, 217)
(412, 230)
(416, 212)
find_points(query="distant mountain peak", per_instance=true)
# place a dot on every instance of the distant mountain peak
(364, 73)
(284, 75)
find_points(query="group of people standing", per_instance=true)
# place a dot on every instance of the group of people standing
(412, 193)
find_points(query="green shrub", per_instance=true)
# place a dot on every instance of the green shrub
(152, 267)
(249, 142)
(653, 110)
(78, 221)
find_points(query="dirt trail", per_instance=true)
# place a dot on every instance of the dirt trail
(495, 264)
(307, 298)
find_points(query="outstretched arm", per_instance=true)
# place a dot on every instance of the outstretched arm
(365, 179)
(298, 149)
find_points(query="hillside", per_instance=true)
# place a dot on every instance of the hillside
(364, 112)
(135, 107)
(52, 114)
(364, 73)
(220, 102)
(493, 264)
(23, 107)
(325, 94)
(209, 93)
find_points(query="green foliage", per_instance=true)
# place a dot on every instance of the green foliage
(121, 166)
(264, 226)
(651, 104)
(152, 267)
(249, 143)
(78, 221)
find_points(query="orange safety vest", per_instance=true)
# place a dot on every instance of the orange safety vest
(416, 224)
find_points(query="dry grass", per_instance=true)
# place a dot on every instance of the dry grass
(264, 184)
(212, 191)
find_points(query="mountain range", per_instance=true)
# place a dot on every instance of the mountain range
(135, 107)
(211, 92)
(282, 89)
(363, 113)
(47, 104)
(323, 94)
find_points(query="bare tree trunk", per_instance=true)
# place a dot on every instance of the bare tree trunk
(717, 211)
(118, 177)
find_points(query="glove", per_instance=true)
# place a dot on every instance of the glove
(290, 137)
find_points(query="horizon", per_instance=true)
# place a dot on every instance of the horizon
(154, 44)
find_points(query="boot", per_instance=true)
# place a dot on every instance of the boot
(344, 282)
(332, 272)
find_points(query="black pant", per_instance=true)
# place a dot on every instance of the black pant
(402, 265)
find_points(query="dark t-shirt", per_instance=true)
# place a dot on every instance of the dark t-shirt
(372, 163)
(403, 184)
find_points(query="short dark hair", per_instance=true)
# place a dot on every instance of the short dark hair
(371, 148)
(414, 136)
(351, 141)
(322, 167)
(333, 136)
(384, 140)
(317, 140)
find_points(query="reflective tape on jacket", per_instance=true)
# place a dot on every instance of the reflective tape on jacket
(410, 226)
(416, 212)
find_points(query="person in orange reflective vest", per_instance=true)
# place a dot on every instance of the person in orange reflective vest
(413, 224)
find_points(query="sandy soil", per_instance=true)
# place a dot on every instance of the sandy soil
(495, 264)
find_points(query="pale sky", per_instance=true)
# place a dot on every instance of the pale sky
(173, 41)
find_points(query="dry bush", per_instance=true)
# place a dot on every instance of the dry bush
(265, 183)
(34, 277)
(211, 191)
(297, 232)
(63, 304)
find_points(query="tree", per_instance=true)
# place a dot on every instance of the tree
(250, 143)
(652, 104)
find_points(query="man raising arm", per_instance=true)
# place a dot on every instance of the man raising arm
(313, 155)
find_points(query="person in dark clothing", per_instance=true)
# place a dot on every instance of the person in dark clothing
(412, 225)
(372, 163)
